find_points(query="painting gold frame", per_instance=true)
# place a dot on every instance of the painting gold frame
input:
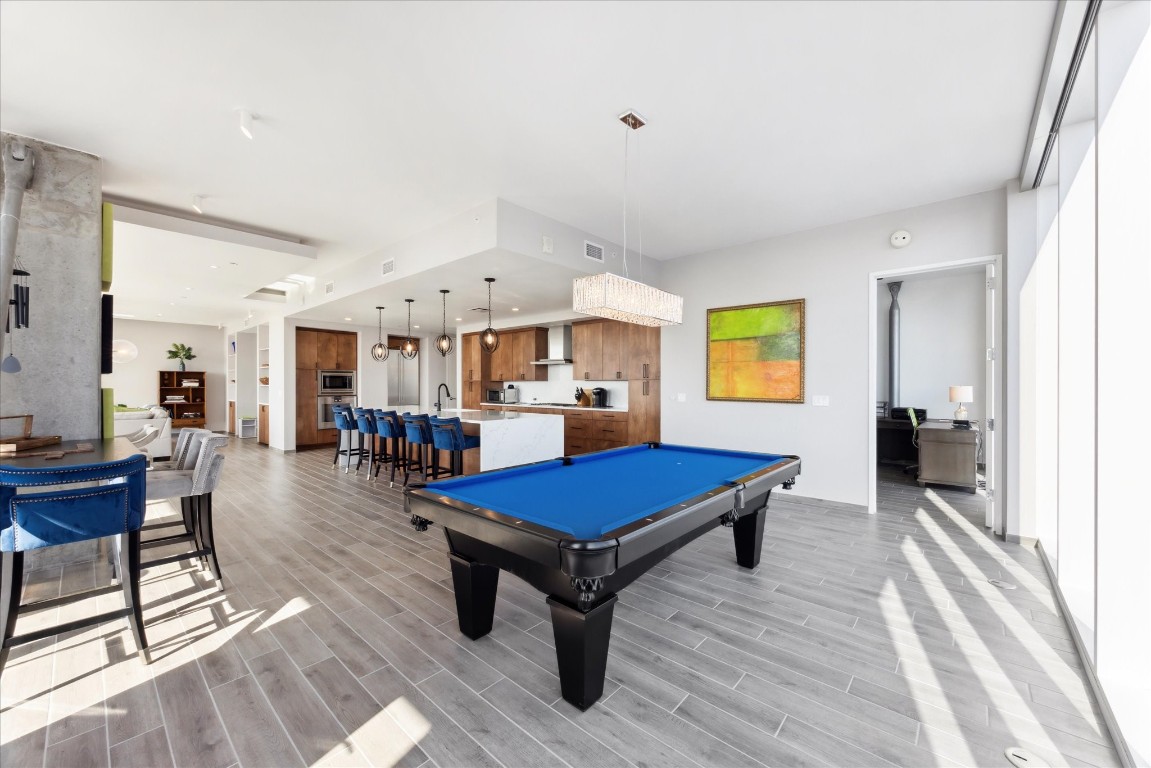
(755, 352)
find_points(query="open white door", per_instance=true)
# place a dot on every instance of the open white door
(991, 520)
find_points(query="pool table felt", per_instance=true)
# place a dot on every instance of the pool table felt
(600, 492)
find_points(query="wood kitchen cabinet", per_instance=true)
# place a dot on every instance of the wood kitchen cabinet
(507, 359)
(587, 350)
(600, 350)
(587, 431)
(306, 388)
(346, 357)
(643, 410)
(643, 348)
(533, 346)
(474, 360)
(307, 349)
(512, 360)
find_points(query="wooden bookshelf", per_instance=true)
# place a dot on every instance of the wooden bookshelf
(190, 410)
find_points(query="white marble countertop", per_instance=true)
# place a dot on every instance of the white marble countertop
(479, 417)
(552, 405)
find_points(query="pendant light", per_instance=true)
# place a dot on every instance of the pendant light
(380, 349)
(489, 339)
(409, 350)
(445, 343)
(616, 296)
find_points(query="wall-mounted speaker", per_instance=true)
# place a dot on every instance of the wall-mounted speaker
(106, 333)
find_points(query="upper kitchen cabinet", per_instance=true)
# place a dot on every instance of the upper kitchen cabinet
(643, 348)
(518, 348)
(587, 350)
(599, 350)
(307, 349)
(346, 357)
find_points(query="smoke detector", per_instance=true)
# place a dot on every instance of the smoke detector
(900, 239)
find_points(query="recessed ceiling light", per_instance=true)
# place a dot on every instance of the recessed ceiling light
(459, 319)
(171, 303)
(515, 309)
(187, 288)
(415, 326)
(212, 266)
(159, 314)
(348, 319)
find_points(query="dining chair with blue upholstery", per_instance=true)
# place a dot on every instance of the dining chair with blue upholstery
(64, 515)
(448, 435)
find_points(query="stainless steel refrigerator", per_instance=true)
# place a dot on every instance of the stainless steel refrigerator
(403, 383)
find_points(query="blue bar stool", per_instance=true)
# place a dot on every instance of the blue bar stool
(63, 516)
(346, 424)
(448, 435)
(393, 442)
(419, 432)
(366, 425)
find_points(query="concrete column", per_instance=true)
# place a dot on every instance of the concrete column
(59, 243)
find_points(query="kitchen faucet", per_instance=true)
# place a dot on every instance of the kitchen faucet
(447, 392)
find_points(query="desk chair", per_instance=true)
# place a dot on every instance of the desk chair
(64, 516)
(914, 440)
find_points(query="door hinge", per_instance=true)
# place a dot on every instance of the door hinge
(991, 354)
(991, 283)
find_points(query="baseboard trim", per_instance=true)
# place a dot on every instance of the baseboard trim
(1109, 720)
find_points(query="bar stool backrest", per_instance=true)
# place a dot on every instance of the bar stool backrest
(418, 428)
(366, 420)
(62, 516)
(388, 424)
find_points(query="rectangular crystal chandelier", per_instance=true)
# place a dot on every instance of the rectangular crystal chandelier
(618, 298)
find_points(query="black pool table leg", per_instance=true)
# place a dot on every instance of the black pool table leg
(581, 649)
(475, 586)
(748, 532)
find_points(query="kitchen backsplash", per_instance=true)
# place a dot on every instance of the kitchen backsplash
(560, 388)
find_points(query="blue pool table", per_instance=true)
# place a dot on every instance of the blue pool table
(580, 529)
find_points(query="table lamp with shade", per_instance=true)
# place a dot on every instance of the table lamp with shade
(961, 395)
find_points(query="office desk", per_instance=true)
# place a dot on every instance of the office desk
(893, 442)
(948, 456)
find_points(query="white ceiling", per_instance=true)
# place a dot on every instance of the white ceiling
(380, 120)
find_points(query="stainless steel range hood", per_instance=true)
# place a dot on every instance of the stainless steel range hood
(559, 346)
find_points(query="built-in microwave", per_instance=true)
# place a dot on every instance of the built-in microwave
(337, 383)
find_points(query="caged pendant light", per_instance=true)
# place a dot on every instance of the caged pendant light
(408, 349)
(489, 338)
(615, 296)
(380, 349)
(445, 343)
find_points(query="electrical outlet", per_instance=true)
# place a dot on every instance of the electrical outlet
(822, 401)
(548, 245)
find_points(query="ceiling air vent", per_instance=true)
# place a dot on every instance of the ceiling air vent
(330, 287)
(387, 267)
(593, 251)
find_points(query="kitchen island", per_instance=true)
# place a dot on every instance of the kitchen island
(508, 439)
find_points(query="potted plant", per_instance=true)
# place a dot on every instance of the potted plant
(181, 353)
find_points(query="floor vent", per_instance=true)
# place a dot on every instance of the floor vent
(593, 251)
(387, 267)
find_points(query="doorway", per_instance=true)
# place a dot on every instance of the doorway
(952, 335)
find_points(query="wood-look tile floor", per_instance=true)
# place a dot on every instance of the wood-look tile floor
(860, 640)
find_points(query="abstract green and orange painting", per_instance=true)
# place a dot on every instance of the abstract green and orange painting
(755, 352)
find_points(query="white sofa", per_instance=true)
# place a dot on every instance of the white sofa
(128, 422)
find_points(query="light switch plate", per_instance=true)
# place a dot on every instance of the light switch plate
(548, 245)
(681, 397)
(821, 400)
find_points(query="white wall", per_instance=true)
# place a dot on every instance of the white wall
(941, 340)
(830, 268)
(137, 383)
